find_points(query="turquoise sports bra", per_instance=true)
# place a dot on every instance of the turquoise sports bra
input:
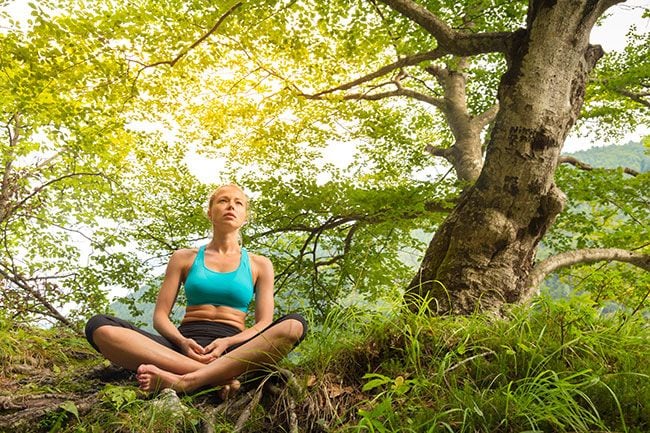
(232, 289)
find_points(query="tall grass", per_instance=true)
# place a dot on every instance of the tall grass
(554, 366)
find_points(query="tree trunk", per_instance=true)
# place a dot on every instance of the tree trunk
(482, 254)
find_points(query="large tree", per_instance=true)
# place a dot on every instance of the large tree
(483, 254)
(513, 73)
(270, 87)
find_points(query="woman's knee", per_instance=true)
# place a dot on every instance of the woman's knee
(294, 327)
(95, 323)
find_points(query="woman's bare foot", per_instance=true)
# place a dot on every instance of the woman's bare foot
(229, 389)
(153, 379)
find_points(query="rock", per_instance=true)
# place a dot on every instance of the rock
(168, 401)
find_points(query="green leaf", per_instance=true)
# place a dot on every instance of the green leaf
(71, 407)
(377, 380)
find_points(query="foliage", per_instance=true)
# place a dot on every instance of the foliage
(73, 170)
(340, 239)
(104, 103)
(606, 208)
(617, 98)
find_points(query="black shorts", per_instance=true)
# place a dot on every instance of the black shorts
(203, 332)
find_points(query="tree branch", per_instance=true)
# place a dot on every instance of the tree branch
(487, 116)
(439, 206)
(584, 166)
(337, 220)
(198, 41)
(424, 84)
(450, 40)
(436, 102)
(5, 193)
(439, 72)
(443, 152)
(583, 256)
(636, 97)
(46, 184)
(406, 61)
(20, 281)
(347, 244)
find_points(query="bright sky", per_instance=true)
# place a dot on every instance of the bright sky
(611, 34)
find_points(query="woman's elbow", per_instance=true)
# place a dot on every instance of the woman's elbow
(158, 320)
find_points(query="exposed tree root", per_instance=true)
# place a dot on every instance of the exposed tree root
(248, 410)
(33, 407)
(107, 373)
(279, 399)
(285, 401)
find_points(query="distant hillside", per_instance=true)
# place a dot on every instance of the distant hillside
(631, 155)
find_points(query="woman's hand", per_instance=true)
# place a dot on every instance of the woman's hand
(194, 350)
(217, 347)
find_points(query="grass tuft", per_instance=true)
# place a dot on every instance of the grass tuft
(552, 366)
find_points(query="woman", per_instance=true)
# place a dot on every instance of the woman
(212, 346)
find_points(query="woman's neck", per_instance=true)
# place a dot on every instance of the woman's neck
(224, 243)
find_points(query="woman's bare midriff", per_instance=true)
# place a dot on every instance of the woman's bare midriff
(215, 313)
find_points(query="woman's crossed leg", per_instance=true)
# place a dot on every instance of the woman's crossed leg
(264, 349)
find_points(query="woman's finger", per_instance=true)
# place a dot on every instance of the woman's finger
(217, 352)
(196, 346)
(199, 357)
(213, 346)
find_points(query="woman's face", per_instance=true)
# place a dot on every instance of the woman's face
(228, 206)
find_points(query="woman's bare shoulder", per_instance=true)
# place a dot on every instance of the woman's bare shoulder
(262, 268)
(186, 251)
(183, 255)
(260, 264)
(259, 260)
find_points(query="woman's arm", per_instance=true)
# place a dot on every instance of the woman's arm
(264, 306)
(166, 299)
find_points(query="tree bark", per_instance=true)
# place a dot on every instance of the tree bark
(466, 155)
(482, 254)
